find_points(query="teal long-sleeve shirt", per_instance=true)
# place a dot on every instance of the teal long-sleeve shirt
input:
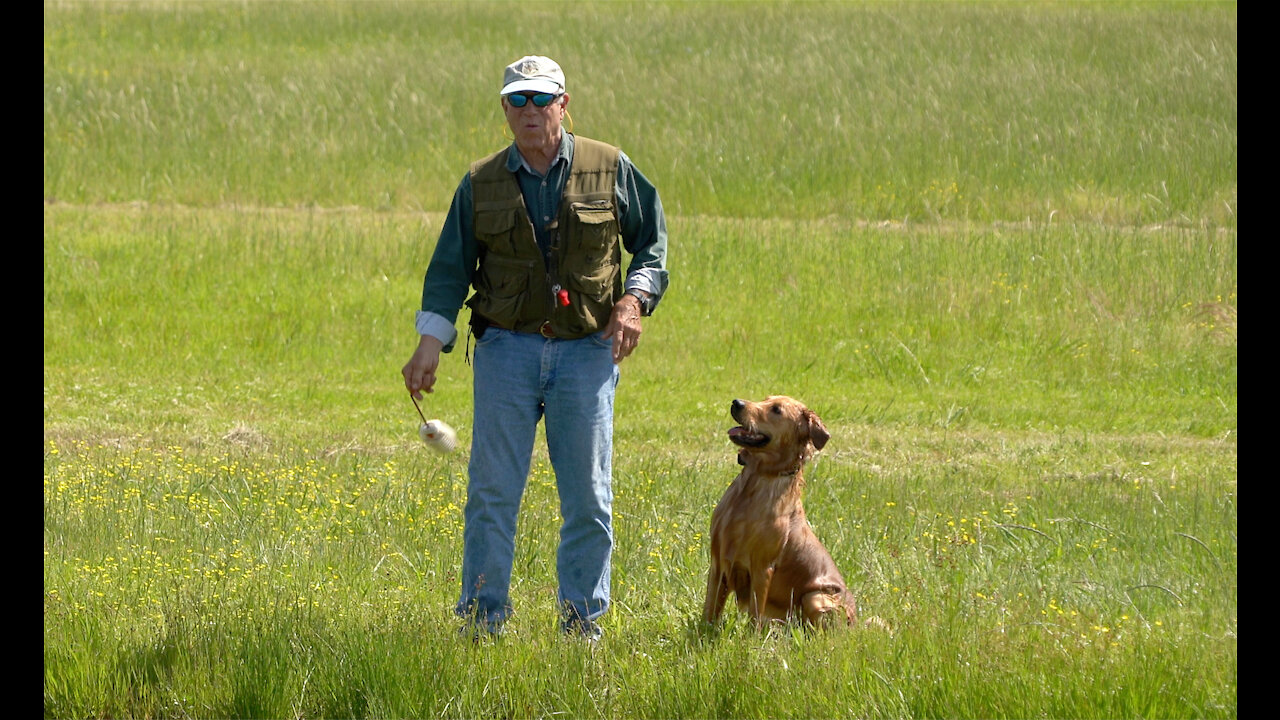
(641, 222)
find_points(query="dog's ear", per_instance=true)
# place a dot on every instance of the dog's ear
(818, 434)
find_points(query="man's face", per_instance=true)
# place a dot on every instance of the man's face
(536, 127)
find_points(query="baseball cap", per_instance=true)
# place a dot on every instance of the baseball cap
(533, 73)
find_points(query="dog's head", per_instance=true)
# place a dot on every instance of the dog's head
(780, 428)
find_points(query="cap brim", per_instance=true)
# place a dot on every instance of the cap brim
(547, 86)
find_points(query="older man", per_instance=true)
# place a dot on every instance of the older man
(538, 229)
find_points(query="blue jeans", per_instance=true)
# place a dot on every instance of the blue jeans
(519, 379)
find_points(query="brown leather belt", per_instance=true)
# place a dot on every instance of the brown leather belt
(545, 331)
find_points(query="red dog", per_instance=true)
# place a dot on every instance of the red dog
(762, 548)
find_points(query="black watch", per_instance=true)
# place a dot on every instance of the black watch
(646, 301)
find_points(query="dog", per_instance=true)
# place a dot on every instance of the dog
(762, 547)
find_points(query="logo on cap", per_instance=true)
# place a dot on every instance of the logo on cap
(533, 72)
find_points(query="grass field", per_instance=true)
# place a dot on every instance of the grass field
(993, 245)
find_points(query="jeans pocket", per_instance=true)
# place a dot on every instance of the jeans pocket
(491, 335)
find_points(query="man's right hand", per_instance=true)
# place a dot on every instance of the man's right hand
(420, 372)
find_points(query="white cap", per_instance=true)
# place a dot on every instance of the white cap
(533, 73)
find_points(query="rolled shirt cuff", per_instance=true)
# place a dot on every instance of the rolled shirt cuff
(437, 326)
(648, 280)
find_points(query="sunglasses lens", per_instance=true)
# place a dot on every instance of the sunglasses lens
(540, 99)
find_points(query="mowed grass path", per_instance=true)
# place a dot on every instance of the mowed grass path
(992, 245)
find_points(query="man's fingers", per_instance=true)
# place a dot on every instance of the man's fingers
(417, 380)
(619, 341)
(424, 386)
(625, 341)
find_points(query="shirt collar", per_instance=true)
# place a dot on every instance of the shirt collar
(515, 160)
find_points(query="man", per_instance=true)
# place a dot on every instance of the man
(538, 228)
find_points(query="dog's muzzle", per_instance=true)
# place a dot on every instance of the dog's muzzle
(746, 438)
(741, 435)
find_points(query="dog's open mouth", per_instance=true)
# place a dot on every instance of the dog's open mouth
(746, 438)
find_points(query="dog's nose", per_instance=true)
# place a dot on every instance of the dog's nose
(736, 407)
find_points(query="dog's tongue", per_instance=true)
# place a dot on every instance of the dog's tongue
(736, 431)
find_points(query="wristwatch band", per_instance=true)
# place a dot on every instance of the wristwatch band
(646, 302)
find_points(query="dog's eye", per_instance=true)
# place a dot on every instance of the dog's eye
(777, 409)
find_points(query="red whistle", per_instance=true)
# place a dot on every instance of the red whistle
(563, 297)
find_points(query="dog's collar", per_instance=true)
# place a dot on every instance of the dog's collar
(800, 460)
(791, 473)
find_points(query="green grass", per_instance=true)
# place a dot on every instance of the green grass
(297, 320)
(993, 245)
(922, 111)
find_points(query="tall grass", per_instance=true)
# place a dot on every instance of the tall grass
(992, 245)
(1065, 575)
(923, 111)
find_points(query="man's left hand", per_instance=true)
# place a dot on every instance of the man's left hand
(624, 327)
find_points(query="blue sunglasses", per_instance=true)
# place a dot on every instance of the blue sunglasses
(539, 99)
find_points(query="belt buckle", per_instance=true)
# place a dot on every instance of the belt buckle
(546, 330)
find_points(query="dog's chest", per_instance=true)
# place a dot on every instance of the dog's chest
(757, 513)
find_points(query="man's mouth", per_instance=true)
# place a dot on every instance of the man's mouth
(747, 438)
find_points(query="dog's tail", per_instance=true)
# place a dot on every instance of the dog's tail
(872, 622)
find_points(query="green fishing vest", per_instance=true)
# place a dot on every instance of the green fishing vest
(515, 287)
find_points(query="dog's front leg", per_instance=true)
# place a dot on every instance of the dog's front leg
(760, 581)
(717, 593)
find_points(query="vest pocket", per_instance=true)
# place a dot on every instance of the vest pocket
(502, 287)
(594, 230)
(495, 229)
(590, 299)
